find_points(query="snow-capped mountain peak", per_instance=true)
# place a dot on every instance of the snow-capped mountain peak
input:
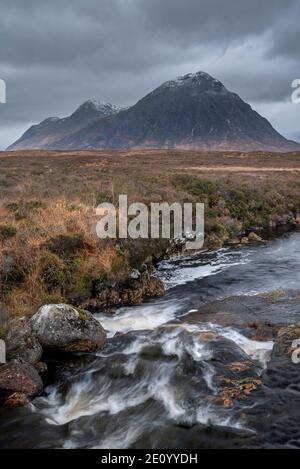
(202, 79)
(101, 106)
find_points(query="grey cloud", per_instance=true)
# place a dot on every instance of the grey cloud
(56, 54)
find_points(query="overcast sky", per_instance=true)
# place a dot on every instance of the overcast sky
(56, 54)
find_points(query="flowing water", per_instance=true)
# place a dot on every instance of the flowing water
(155, 384)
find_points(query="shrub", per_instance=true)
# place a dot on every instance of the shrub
(7, 231)
(217, 228)
(120, 267)
(205, 191)
(53, 272)
(65, 245)
(102, 198)
(23, 209)
(12, 207)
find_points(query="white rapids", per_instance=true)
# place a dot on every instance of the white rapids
(158, 374)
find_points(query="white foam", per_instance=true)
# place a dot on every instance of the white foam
(144, 317)
(190, 270)
(260, 351)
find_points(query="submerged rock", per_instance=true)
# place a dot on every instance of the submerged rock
(238, 389)
(258, 317)
(63, 328)
(20, 378)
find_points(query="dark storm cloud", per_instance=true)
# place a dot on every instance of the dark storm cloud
(56, 54)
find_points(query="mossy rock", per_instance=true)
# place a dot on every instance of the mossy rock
(63, 328)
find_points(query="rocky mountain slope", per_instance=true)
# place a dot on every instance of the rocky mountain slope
(51, 130)
(195, 111)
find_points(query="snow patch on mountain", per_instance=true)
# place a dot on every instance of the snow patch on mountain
(201, 81)
(101, 106)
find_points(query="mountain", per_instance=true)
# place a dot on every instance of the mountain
(194, 111)
(294, 136)
(51, 130)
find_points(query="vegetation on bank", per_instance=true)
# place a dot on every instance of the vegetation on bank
(49, 252)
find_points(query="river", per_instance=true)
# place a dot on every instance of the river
(155, 384)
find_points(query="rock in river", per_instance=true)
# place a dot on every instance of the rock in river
(63, 328)
(20, 378)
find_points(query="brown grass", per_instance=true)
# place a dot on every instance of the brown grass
(50, 197)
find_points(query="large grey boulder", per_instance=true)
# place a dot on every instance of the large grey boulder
(63, 328)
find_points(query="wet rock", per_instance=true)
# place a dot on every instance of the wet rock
(41, 367)
(239, 367)
(17, 399)
(265, 332)
(258, 317)
(129, 293)
(253, 237)
(20, 378)
(238, 389)
(230, 360)
(255, 229)
(153, 287)
(21, 343)
(236, 374)
(207, 336)
(244, 240)
(274, 410)
(283, 369)
(233, 241)
(63, 328)
(106, 296)
(131, 296)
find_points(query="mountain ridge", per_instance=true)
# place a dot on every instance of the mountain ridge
(194, 111)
